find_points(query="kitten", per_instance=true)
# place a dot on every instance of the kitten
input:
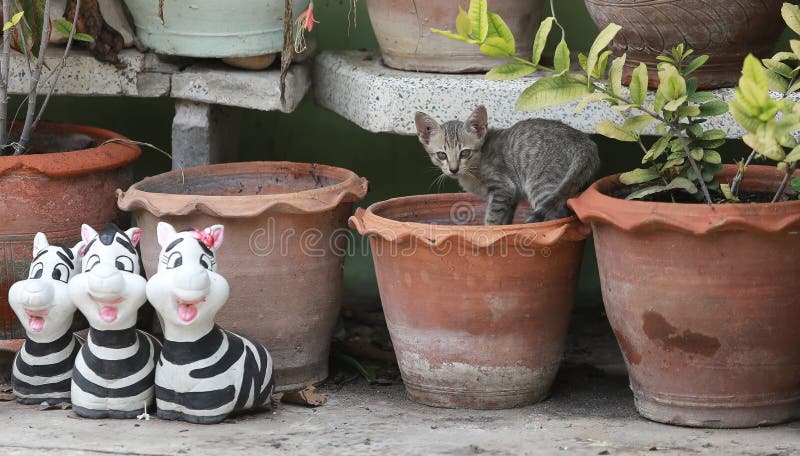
(545, 161)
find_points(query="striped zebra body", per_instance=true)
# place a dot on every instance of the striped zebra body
(42, 372)
(219, 374)
(114, 374)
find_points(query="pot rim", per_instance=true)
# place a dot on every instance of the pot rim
(596, 207)
(350, 189)
(75, 163)
(369, 223)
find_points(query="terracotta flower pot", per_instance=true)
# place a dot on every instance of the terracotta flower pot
(403, 30)
(703, 302)
(477, 314)
(55, 193)
(726, 31)
(285, 230)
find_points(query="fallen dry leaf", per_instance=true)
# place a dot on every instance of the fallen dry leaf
(59, 406)
(307, 396)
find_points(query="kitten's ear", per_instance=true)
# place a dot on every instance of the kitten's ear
(426, 127)
(478, 122)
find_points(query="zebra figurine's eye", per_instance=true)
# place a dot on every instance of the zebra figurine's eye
(91, 263)
(175, 260)
(61, 273)
(36, 271)
(206, 261)
(124, 263)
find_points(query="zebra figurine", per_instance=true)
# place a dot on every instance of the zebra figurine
(205, 372)
(114, 375)
(42, 369)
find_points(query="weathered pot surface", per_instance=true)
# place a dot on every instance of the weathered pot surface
(478, 315)
(403, 30)
(55, 193)
(726, 31)
(703, 302)
(284, 234)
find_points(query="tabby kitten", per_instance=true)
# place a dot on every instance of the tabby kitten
(545, 161)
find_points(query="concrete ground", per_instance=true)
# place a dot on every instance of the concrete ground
(590, 412)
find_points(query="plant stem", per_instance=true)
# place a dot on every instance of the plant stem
(61, 65)
(785, 181)
(5, 60)
(677, 131)
(27, 129)
(737, 179)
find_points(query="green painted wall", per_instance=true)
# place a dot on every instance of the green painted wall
(394, 165)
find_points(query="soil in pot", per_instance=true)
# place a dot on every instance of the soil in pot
(726, 31)
(55, 193)
(403, 30)
(703, 302)
(285, 241)
(477, 315)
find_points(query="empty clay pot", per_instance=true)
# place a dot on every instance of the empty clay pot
(403, 30)
(703, 302)
(477, 314)
(55, 193)
(727, 31)
(285, 241)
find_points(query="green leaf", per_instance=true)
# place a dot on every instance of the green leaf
(639, 176)
(696, 63)
(14, 20)
(713, 108)
(671, 85)
(793, 156)
(796, 184)
(479, 19)
(687, 111)
(781, 56)
(639, 84)
(697, 154)
(791, 15)
(776, 82)
(742, 116)
(712, 156)
(453, 36)
(495, 46)
(591, 98)
(463, 24)
(675, 104)
(611, 130)
(83, 37)
(638, 123)
(540, 40)
(701, 97)
(683, 184)
(582, 61)
(726, 190)
(561, 58)
(615, 75)
(795, 45)
(511, 70)
(498, 28)
(639, 194)
(778, 67)
(657, 149)
(551, 91)
(600, 43)
(602, 62)
(710, 135)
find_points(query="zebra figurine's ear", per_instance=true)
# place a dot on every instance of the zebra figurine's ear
(165, 233)
(87, 233)
(135, 235)
(39, 243)
(216, 234)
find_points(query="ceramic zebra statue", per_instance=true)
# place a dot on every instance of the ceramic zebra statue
(42, 369)
(205, 372)
(114, 375)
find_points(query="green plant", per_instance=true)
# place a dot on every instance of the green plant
(684, 155)
(27, 28)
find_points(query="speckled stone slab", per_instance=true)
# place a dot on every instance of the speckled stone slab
(217, 83)
(356, 85)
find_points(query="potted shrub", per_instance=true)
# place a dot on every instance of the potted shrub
(478, 315)
(693, 255)
(726, 31)
(285, 237)
(59, 178)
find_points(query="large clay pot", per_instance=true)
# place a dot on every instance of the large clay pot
(703, 302)
(207, 28)
(55, 193)
(477, 314)
(727, 31)
(285, 226)
(403, 30)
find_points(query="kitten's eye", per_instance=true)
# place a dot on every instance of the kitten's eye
(124, 263)
(465, 153)
(175, 260)
(36, 271)
(91, 262)
(441, 156)
(61, 273)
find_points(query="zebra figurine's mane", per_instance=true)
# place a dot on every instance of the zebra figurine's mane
(42, 369)
(205, 372)
(114, 373)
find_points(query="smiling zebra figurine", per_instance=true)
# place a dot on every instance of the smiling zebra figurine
(114, 375)
(205, 372)
(43, 367)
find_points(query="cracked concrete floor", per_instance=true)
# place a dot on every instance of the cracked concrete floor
(590, 412)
